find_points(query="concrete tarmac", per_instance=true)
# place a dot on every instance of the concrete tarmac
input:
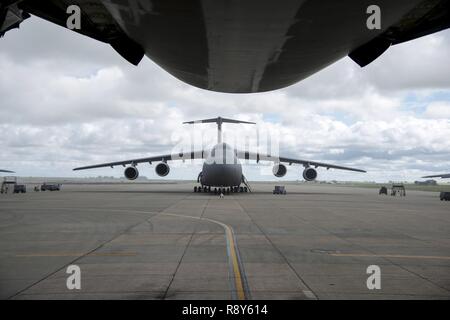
(162, 241)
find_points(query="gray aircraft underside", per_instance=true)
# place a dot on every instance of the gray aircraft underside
(241, 46)
(221, 167)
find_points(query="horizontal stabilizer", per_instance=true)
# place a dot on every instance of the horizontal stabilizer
(218, 120)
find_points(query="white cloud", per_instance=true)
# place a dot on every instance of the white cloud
(67, 100)
(438, 110)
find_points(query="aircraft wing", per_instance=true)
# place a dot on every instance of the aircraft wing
(443, 176)
(164, 158)
(96, 21)
(422, 20)
(306, 163)
(6, 171)
(240, 46)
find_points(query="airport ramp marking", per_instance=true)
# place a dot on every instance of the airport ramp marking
(308, 293)
(235, 263)
(388, 256)
(236, 267)
(77, 254)
(126, 229)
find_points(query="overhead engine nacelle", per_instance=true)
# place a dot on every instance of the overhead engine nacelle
(162, 169)
(279, 170)
(131, 173)
(310, 174)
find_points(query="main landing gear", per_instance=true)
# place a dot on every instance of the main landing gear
(202, 189)
(221, 190)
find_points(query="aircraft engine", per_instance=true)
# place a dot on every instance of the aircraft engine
(310, 174)
(131, 173)
(279, 170)
(162, 169)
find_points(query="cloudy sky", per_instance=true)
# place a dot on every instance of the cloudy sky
(67, 100)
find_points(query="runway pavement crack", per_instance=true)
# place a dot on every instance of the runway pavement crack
(184, 252)
(280, 253)
(372, 252)
(81, 256)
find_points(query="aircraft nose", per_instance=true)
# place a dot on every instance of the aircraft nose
(222, 175)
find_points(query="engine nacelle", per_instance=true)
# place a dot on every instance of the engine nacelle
(162, 169)
(310, 174)
(279, 170)
(131, 173)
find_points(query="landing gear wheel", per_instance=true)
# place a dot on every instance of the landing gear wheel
(195, 189)
(245, 189)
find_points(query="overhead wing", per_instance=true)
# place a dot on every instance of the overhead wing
(443, 176)
(430, 17)
(240, 46)
(96, 21)
(307, 163)
(6, 171)
(164, 158)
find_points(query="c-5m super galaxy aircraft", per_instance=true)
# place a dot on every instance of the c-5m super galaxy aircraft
(221, 168)
(443, 176)
(241, 46)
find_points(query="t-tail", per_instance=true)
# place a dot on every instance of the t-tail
(219, 122)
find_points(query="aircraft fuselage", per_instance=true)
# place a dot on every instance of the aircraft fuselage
(221, 168)
(252, 45)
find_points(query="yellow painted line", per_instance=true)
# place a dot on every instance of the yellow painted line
(78, 254)
(239, 283)
(237, 273)
(389, 256)
(228, 234)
